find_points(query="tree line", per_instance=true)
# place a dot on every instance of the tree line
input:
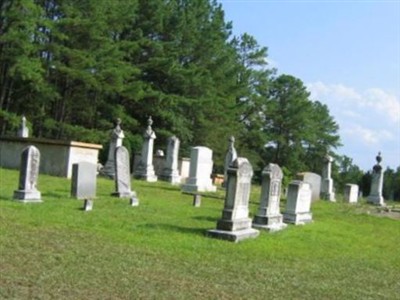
(73, 66)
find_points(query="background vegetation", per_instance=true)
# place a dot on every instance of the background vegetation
(73, 66)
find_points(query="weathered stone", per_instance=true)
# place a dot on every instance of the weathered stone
(375, 195)
(351, 193)
(122, 174)
(298, 203)
(145, 168)
(200, 171)
(235, 224)
(28, 176)
(327, 192)
(315, 183)
(117, 135)
(196, 200)
(230, 156)
(269, 216)
(83, 182)
(88, 205)
(170, 171)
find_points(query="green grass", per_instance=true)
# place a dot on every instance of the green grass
(159, 250)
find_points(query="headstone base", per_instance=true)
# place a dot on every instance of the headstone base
(297, 219)
(124, 194)
(190, 188)
(329, 196)
(270, 223)
(88, 205)
(134, 201)
(147, 177)
(233, 236)
(173, 179)
(235, 225)
(377, 200)
(27, 196)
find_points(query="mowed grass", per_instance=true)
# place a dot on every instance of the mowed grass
(159, 250)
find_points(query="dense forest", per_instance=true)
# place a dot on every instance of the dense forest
(73, 66)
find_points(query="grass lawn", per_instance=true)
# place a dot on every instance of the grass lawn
(159, 250)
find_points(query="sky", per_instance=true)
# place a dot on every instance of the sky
(347, 53)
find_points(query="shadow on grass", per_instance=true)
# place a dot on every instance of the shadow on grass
(168, 188)
(205, 218)
(169, 227)
(10, 198)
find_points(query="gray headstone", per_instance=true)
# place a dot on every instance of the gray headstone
(122, 174)
(23, 131)
(235, 224)
(375, 195)
(28, 176)
(230, 156)
(327, 192)
(351, 193)
(200, 171)
(298, 203)
(170, 171)
(196, 200)
(83, 181)
(117, 135)
(269, 216)
(315, 182)
(145, 169)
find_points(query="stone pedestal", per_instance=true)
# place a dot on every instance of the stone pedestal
(351, 193)
(298, 203)
(170, 172)
(145, 168)
(269, 216)
(83, 181)
(235, 224)
(200, 171)
(28, 176)
(327, 191)
(117, 135)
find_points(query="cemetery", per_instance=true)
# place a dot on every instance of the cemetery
(149, 152)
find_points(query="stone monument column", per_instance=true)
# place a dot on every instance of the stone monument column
(230, 156)
(375, 195)
(28, 176)
(23, 131)
(170, 172)
(117, 135)
(269, 216)
(145, 168)
(327, 182)
(235, 224)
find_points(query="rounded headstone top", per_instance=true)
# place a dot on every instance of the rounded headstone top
(273, 170)
(243, 166)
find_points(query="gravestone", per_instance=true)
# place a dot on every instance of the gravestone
(200, 171)
(88, 205)
(83, 181)
(122, 174)
(170, 171)
(28, 176)
(315, 182)
(235, 224)
(351, 193)
(145, 169)
(269, 216)
(298, 203)
(230, 156)
(327, 182)
(375, 195)
(196, 200)
(23, 131)
(117, 135)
